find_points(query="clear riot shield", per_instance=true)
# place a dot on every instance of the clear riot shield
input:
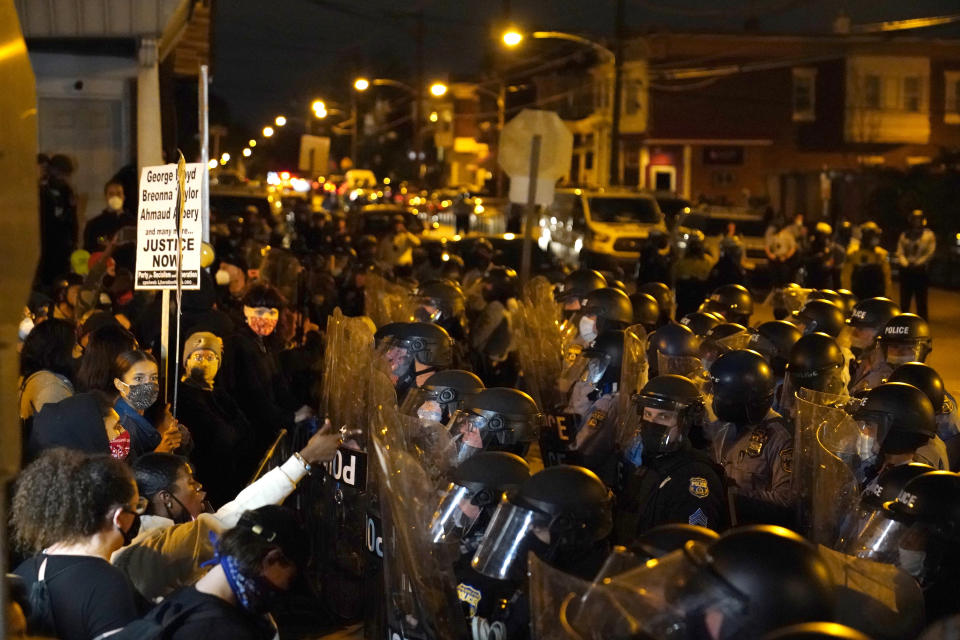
(421, 594)
(824, 468)
(633, 373)
(878, 599)
(386, 302)
(539, 341)
(788, 299)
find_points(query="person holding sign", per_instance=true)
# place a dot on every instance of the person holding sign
(136, 377)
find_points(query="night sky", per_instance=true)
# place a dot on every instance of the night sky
(274, 57)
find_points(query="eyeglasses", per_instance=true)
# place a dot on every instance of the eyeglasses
(138, 509)
(201, 357)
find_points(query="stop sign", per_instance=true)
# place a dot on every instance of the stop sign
(516, 143)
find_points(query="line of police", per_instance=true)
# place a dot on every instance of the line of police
(649, 480)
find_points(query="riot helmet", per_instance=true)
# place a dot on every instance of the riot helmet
(442, 394)
(867, 320)
(475, 490)
(820, 315)
(923, 377)
(870, 234)
(500, 284)
(559, 511)
(906, 338)
(894, 418)
(666, 408)
(603, 360)
(413, 349)
(848, 300)
(774, 340)
(726, 336)
(934, 499)
(439, 301)
(815, 363)
(497, 419)
(667, 538)
(816, 631)
(646, 311)
(610, 308)
(677, 346)
(733, 302)
(826, 294)
(743, 386)
(664, 297)
(701, 322)
(575, 287)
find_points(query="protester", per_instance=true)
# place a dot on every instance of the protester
(46, 366)
(102, 347)
(73, 510)
(58, 221)
(136, 377)
(100, 230)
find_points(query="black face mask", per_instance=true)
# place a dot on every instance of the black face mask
(131, 531)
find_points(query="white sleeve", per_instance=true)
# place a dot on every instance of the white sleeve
(272, 488)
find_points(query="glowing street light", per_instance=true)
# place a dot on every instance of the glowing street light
(438, 89)
(212, 164)
(251, 143)
(318, 105)
(361, 84)
(225, 158)
(280, 121)
(247, 152)
(267, 132)
(512, 38)
(434, 116)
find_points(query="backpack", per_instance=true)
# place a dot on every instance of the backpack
(160, 626)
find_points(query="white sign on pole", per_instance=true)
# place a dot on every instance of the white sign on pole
(556, 149)
(314, 154)
(157, 252)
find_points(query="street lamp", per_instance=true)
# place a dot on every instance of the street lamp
(251, 143)
(267, 132)
(438, 89)
(212, 164)
(513, 37)
(361, 84)
(225, 158)
(280, 121)
(247, 152)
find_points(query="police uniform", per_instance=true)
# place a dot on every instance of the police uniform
(871, 373)
(867, 272)
(683, 486)
(595, 442)
(758, 463)
(948, 428)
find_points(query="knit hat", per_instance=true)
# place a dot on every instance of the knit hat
(202, 340)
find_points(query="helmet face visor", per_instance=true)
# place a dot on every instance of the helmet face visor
(397, 356)
(455, 515)
(686, 366)
(468, 431)
(879, 539)
(502, 555)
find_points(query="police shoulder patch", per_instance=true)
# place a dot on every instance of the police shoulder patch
(786, 459)
(469, 595)
(698, 487)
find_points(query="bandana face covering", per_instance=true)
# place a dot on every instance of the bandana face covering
(120, 446)
(253, 593)
(262, 326)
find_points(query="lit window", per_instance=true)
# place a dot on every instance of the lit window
(912, 93)
(872, 92)
(804, 94)
(951, 86)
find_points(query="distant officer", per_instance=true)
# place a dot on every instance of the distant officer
(867, 270)
(905, 338)
(866, 321)
(665, 480)
(915, 249)
(756, 445)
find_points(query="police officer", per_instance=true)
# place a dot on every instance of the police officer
(733, 302)
(867, 270)
(665, 479)
(475, 489)
(490, 333)
(866, 321)
(915, 249)
(677, 346)
(497, 419)
(442, 302)
(895, 420)
(756, 446)
(774, 340)
(720, 339)
(439, 397)
(413, 351)
(701, 322)
(905, 338)
(815, 363)
(575, 287)
(926, 378)
(646, 311)
(820, 315)
(562, 514)
(664, 297)
(604, 310)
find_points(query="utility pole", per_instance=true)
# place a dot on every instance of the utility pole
(619, 35)
(418, 98)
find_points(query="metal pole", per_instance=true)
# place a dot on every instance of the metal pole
(418, 98)
(355, 116)
(531, 208)
(181, 200)
(204, 120)
(501, 116)
(617, 93)
(165, 342)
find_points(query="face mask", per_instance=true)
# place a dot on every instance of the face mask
(142, 396)
(254, 593)
(132, 531)
(588, 329)
(262, 326)
(430, 411)
(120, 446)
(634, 451)
(198, 377)
(911, 561)
(222, 277)
(26, 326)
(867, 446)
(115, 203)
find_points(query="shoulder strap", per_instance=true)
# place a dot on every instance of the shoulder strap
(170, 621)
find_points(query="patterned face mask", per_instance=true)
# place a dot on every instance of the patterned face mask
(142, 396)
(262, 326)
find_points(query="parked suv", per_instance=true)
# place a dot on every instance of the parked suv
(613, 223)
